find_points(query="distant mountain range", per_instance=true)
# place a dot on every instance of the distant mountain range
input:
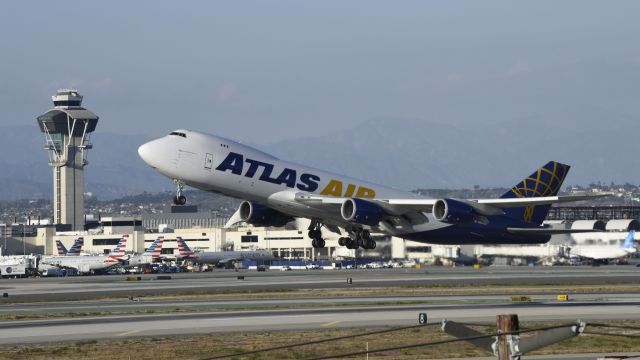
(403, 153)
(412, 154)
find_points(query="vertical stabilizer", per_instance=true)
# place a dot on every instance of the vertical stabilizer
(120, 248)
(629, 242)
(183, 248)
(546, 181)
(61, 249)
(76, 248)
(155, 250)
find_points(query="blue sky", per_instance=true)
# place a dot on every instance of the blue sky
(263, 71)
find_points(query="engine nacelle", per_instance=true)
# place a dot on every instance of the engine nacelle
(452, 211)
(260, 215)
(361, 211)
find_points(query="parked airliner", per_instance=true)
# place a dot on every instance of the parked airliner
(606, 252)
(226, 258)
(86, 264)
(151, 255)
(275, 191)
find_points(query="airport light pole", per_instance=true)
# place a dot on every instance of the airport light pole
(24, 246)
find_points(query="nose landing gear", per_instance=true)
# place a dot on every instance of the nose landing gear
(179, 199)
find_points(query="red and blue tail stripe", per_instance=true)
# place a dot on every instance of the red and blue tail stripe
(120, 248)
(156, 247)
(183, 248)
(77, 247)
(61, 249)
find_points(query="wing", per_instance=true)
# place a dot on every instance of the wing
(405, 206)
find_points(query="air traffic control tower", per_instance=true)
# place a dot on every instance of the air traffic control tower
(67, 128)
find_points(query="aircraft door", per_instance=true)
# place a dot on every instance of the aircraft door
(208, 161)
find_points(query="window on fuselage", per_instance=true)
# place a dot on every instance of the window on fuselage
(175, 133)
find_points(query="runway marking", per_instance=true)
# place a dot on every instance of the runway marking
(331, 323)
(128, 333)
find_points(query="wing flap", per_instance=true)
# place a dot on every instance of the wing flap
(546, 231)
(547, 200)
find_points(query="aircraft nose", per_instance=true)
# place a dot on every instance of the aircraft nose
(144, 152)
(147, 151)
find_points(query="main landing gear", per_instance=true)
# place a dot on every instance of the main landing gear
(358, 238)
(179, 199)
(316, 234)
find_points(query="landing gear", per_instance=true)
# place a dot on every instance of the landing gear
(316, 234)
(358, 238)
(179, 199)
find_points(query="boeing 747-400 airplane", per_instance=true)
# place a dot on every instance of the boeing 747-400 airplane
(275, 191)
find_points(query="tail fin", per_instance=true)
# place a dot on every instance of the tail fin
(121, 247)
(61, 249)
(156, 247)
(546, 181)
(629, 241)
(77, 247)
(183, 248)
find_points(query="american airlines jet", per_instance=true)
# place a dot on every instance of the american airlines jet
(152, 254)
(86, 264)
(226, 258)
(275, 191)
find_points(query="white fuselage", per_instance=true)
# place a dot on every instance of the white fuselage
(83, 264)
(601, 252)
(231, 256)
(216, 164)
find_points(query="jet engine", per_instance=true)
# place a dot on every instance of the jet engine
(452, 211)
(361, 211)
(260, 215)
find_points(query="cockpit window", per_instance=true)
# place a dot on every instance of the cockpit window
(178, 134)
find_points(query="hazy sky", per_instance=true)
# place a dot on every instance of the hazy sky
(262, 71)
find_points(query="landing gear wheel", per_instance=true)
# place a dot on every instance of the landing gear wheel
(318, 243)
(179, 200)
(342, 241)
(316, 234)
(369, 244)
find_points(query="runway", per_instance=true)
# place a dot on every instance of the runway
(76, 288)
(106, 327)
(66, 305)
(234, 304)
